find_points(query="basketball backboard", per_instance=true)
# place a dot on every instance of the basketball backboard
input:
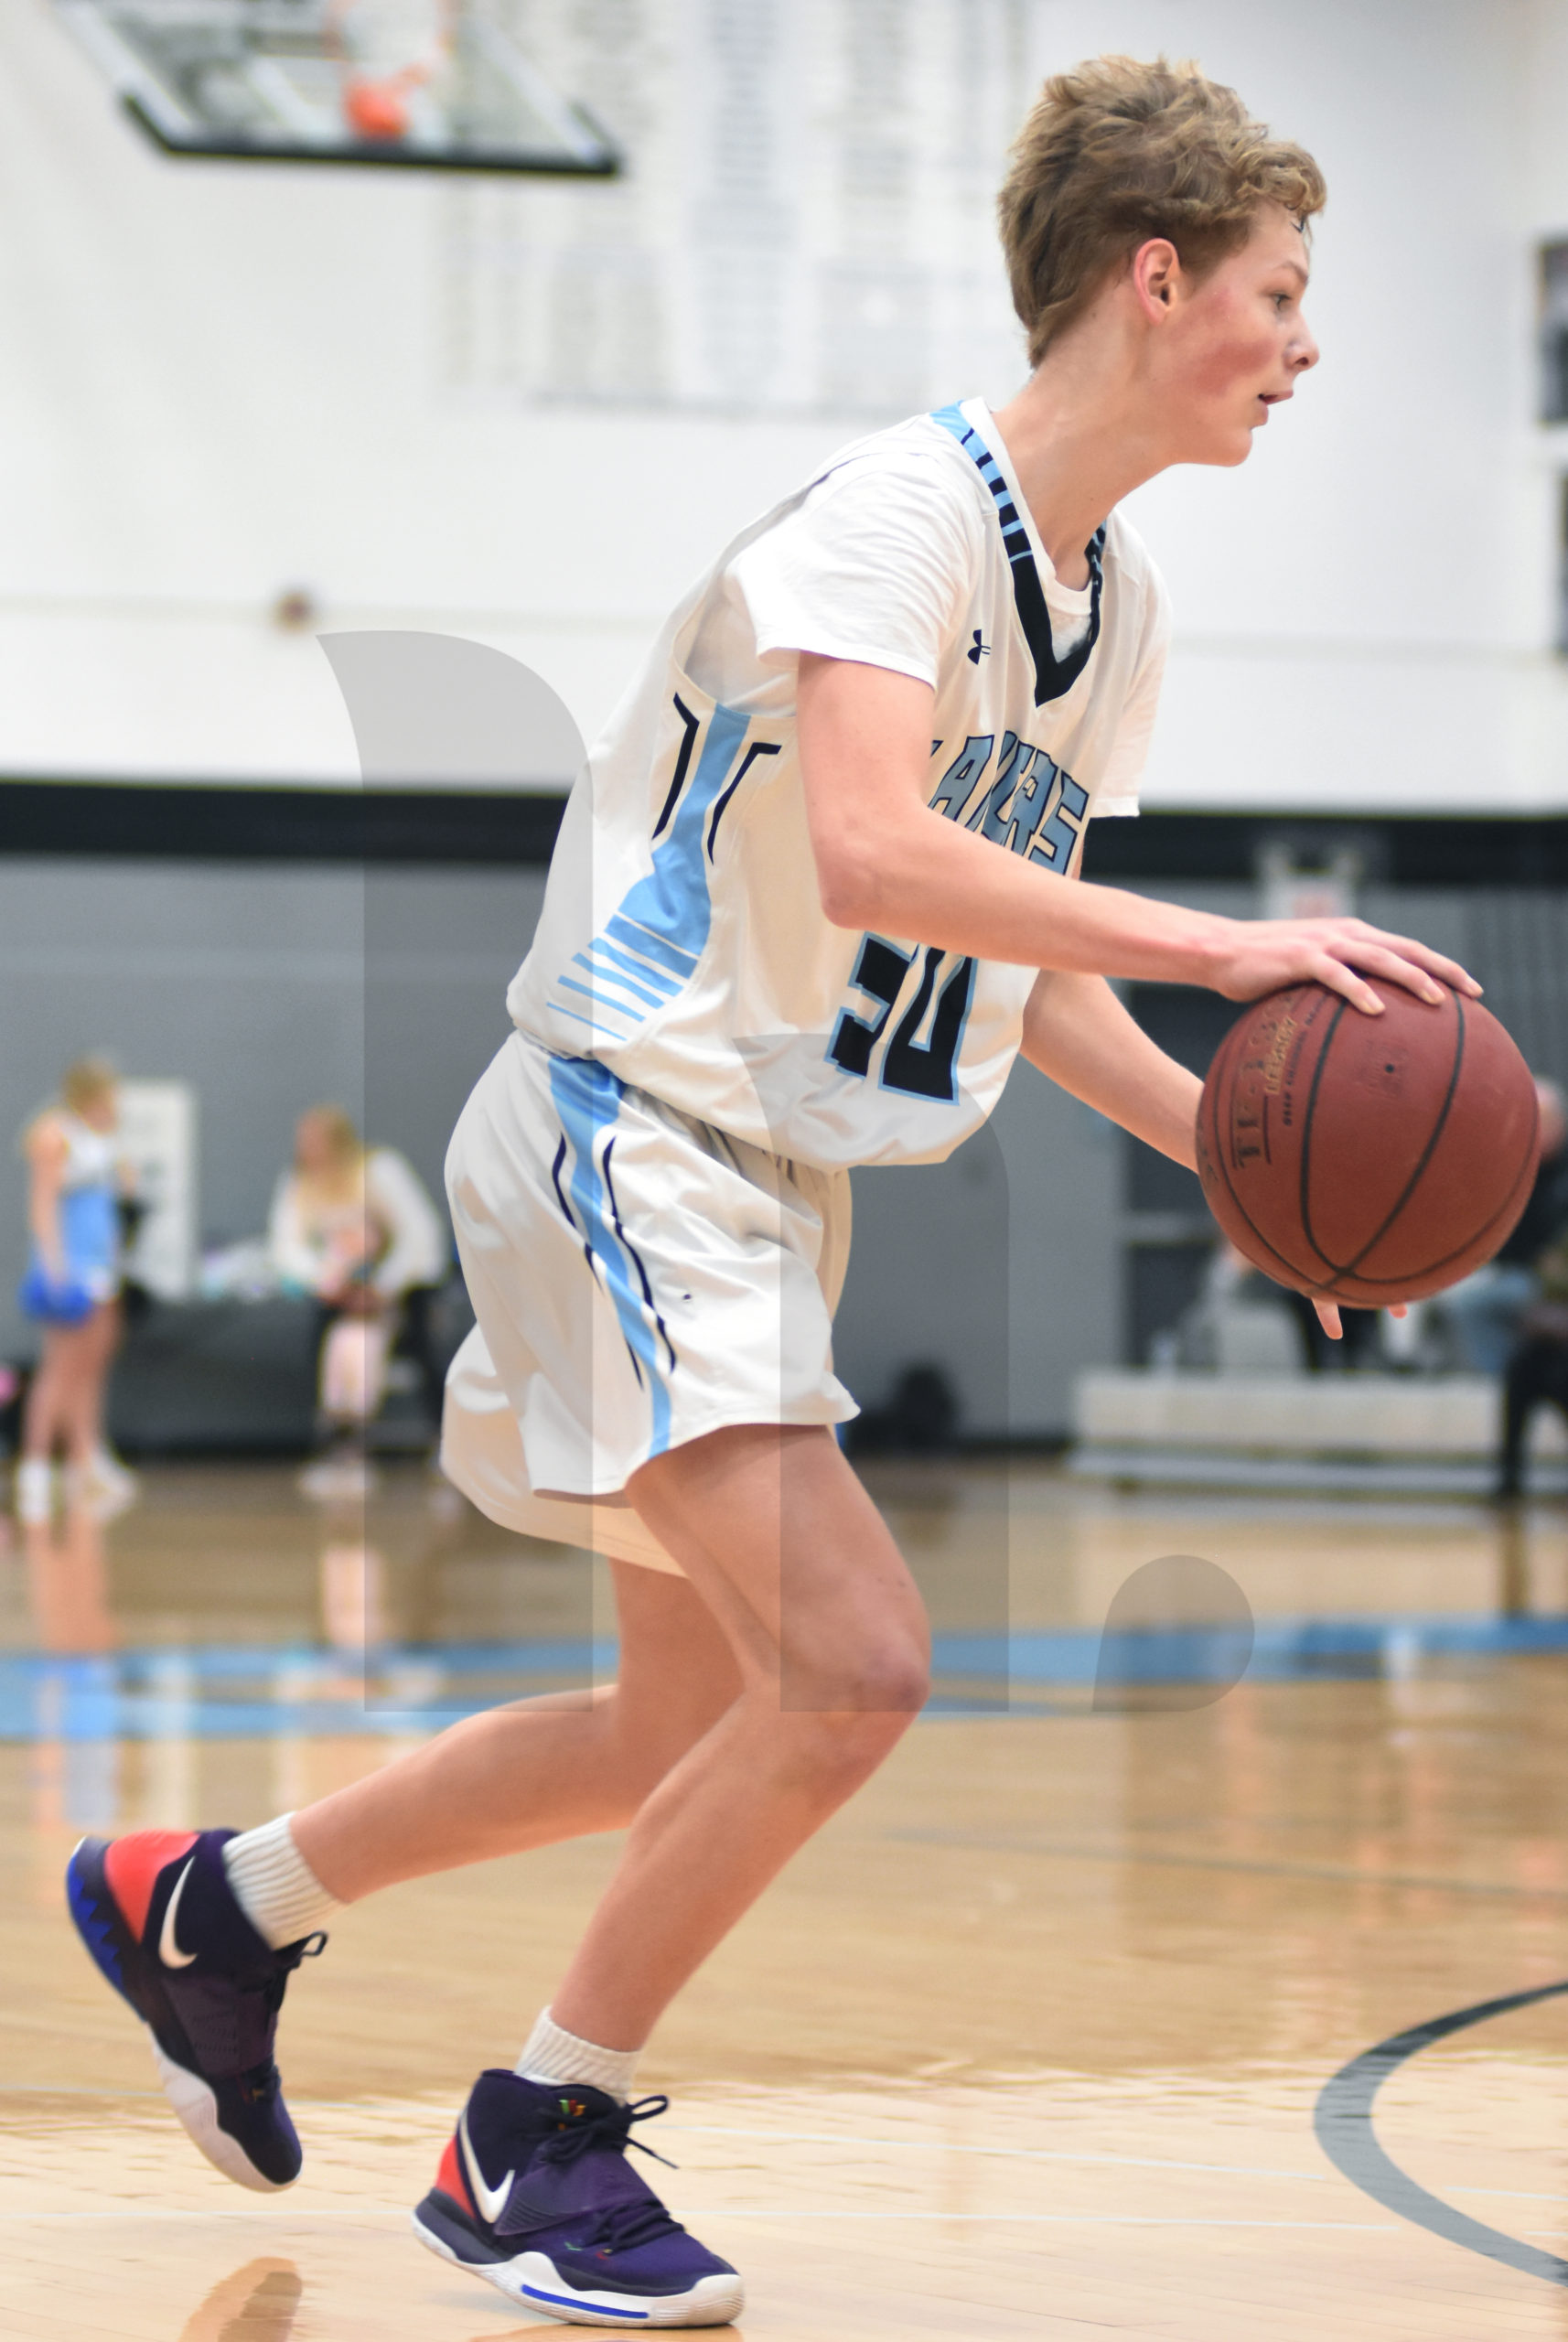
(430, 84)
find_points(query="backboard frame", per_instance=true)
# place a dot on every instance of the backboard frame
(582, 149)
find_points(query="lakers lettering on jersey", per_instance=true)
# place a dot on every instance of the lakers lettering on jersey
(682, 944)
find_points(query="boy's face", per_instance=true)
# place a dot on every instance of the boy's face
(1236, 344)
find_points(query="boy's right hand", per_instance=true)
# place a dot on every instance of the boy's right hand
(1258, 956)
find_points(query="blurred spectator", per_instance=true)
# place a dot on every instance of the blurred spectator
(1361, 1344)
(1485, 1311)
(71, 1289)
(354, 1228)
(1242, 1322)
(1537, 1371)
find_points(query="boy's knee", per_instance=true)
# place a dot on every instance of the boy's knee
(871, 1692)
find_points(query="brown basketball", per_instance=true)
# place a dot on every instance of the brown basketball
(1369, 1159)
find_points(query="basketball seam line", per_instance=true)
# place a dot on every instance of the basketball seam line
(1241, 1212)
(1350, 1267)
(1502, 1212)
(1325, 1285)
(1305, 1209)
(1218, 1150)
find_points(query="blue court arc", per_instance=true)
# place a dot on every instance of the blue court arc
(230, 1693)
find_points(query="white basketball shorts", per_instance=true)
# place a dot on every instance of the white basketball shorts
(640, 1279)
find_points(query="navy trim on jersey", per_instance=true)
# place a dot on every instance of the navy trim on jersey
(690, 725)
(1053, 677)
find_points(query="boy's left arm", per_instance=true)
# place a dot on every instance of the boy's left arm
(1080, 1036)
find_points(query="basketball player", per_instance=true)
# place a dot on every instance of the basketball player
(813, 894)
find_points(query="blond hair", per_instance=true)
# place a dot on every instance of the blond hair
(1117, 151)
(338, 1128)
(340, 1180)
(85, 1081)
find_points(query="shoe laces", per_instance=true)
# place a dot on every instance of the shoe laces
(618, 2227)
(283, 1963)
(609, 2128)
(309, 1946)
(262, 2081)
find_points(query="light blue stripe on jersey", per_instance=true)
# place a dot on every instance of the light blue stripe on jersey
(643, 969)
(589, 1021)
(587, 1097)
(652, 947)
(673, 902)
(612, 977)
(1015, 536)
(666, 916)
(588, 991)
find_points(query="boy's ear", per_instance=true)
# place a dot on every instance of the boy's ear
(1156, 266)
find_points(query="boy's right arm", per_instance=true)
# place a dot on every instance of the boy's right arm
(887, 862)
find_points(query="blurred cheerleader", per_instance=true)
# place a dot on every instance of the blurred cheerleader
(71, 1289)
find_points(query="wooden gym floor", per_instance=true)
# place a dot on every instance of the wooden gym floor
(1028, 2043)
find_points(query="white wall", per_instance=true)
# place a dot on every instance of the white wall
(216, 382)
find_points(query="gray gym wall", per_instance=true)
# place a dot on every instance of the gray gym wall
(252, 983)
(269, 986)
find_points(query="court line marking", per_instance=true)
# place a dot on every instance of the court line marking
(1153, 1857)
(1343, 2121)
(846, 2139)
(727, 2212)
(1062, 2154)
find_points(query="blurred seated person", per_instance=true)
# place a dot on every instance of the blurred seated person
(1361, 1344)
(1230, 1280)
(1537, 1372)
(1485, 1310)
(353, 1227)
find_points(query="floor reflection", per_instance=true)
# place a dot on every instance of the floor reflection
(256, 2304)
(68, 1584)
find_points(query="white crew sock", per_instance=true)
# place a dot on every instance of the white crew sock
(274, 1885)
(552, 2055)
(35, 1490)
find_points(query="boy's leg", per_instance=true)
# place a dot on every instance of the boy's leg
(753, 1700)
(199, 1930)
(543, 1769)
(829, 1636)
(534, 2191)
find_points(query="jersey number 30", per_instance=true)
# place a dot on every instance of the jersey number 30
(920, 1069)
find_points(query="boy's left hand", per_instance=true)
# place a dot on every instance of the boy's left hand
(1329, 1317)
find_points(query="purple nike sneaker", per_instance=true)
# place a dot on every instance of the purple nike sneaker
(157, 1914)
(535, 2194)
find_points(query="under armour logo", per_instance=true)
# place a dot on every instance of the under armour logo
(978, 650)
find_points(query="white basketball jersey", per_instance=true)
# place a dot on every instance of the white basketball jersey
(683, 943)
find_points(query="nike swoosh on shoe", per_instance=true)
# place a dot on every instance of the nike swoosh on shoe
(491, 2202)
(169, 1952)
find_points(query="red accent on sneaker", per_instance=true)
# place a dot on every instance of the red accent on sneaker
(132, 1865)
(453, 2180)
